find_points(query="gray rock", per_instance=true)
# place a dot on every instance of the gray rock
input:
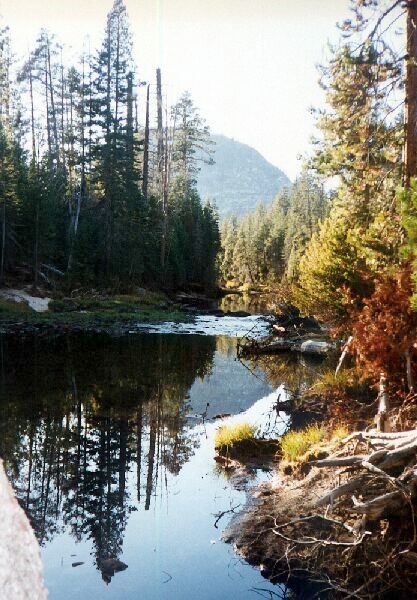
(20, 562)
(315, 347)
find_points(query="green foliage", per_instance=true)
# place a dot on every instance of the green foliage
(18, 309)
(228, 436)
(360, 146)
(74, 207)
(408, 208)
(349, 382)
(295, 444)
(266, 245)
(329, 268)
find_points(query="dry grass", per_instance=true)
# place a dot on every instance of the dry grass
(347, 381)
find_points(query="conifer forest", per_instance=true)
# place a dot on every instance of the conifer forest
(208, 299)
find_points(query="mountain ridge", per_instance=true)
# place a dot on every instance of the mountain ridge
(239, 178)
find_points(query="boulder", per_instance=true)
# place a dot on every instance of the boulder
(315, 347)
(20, 562)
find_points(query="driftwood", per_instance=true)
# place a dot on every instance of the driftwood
(392, 453)
(53, 270)
(381, 419)
(253, 347)
(345, 351)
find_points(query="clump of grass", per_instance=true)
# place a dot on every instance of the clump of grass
(339, 433)
(228, 436)
(295, 444)
(347, 381)
(241, 442)
(8, 307)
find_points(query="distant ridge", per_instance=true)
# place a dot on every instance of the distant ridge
(240, 178)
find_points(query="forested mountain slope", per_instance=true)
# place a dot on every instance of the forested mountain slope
(239, 177)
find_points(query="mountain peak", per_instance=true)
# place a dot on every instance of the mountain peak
(240, 177)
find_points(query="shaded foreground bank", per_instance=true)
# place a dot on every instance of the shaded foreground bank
(340, 520)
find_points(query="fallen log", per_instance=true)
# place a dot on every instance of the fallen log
(375, 508)
(342, 490)
(312, 347)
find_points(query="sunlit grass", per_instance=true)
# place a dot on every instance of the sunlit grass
(346, 381)
(229, 435)
(295, 444)
(339, 433)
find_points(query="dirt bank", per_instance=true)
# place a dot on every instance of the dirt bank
(299, 533)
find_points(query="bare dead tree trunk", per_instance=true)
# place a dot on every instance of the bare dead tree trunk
(3, 237)
(108, 191)
(410, 113)
(381, 419)
(36, 247)
(90, 122)
(48, 124)
(160, 132)
(139, 425)
(151, 459)
(343, 355)
(410, 378)
(62, 113)
(160, 165)
(51, 91)
(146, 149)
(32, 116)
(130, 144)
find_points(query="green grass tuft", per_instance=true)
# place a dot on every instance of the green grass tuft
(295, 444)
(229, 435)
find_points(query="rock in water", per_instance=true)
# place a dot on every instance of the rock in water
(314, 347)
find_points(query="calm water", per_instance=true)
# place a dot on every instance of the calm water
(105, 446)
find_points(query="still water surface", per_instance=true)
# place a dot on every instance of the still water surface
(109, 446)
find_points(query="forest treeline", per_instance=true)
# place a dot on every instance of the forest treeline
(89, 196)
(349, 256)
(265, 246)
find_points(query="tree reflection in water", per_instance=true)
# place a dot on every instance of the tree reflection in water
(78, 414)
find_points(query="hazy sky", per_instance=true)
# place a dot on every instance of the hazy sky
(249, 64)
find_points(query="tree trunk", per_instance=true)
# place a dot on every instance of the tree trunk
(51, 91)
(3, 239)
(160, 133)
(381, 419)
(410, 379)
(410, 113)
(146, 149)
(160, 166)
(32, 116)
(130, 159)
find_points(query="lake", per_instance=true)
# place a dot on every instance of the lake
(108, 443)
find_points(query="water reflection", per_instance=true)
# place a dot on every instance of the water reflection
(104, 444)
(77, 413)
(80, 416)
